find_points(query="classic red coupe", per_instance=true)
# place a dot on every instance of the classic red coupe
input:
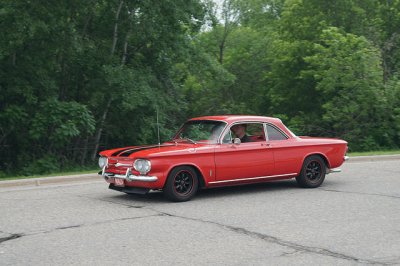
(225, 150)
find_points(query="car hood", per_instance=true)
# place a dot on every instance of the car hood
(148, 151)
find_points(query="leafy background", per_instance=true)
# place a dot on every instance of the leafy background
(77, 77)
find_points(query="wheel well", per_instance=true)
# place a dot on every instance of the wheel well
(321, 156)
(200, 177)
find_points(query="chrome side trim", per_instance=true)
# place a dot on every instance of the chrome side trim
(252, 178)
(266, 132)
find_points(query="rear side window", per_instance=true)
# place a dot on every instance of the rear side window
(275, 134)
(255, 131)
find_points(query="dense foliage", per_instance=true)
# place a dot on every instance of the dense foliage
(80, 76)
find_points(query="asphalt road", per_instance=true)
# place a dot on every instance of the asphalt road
(353, 219)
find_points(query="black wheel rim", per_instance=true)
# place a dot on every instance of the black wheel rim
(183, 182)
(314, 171)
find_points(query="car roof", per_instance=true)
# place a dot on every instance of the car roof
(231, 119)
(238, 118)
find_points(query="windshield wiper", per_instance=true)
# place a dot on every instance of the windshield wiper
(186, 139)
(192, 141)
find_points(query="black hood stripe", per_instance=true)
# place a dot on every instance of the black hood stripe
(128, 152)
(120, 151)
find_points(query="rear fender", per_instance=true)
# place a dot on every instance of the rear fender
(323, 156)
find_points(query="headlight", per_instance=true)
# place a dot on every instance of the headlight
(103, 161)
(142, 166)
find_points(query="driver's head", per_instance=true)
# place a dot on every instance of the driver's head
(239, 130)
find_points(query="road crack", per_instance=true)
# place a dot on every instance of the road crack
(360, 193)
(98, 223)
(284, 254)
(281, 242)
(69, 227)
(20, 235)
(113, 202)
(11, 237)
(270, 239)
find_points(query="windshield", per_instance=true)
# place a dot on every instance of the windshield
(200, 131)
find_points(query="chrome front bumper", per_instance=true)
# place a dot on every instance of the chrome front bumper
(129, 176)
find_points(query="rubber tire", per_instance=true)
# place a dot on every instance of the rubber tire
(306, 182)
(169, 189)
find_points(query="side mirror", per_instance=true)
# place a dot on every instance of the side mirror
(237, 141)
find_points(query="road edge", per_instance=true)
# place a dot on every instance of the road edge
(374, 158)
(50, 180)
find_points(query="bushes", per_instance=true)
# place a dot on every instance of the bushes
(44, 165)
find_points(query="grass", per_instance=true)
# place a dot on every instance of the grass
(72, 172)
(370, 153)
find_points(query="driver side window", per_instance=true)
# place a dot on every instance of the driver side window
(246, 132)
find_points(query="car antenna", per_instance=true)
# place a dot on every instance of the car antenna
(158, 129)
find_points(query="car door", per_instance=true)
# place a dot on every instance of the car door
(245, 160)
(286, 152)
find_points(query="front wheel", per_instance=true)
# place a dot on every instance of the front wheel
(313, 172)
(182, 184)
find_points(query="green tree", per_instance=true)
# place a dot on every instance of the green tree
(348, 75)
(79, 76)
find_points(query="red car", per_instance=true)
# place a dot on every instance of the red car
(226, 150)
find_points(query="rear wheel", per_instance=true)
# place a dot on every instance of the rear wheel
(312, 174)
(182, 184)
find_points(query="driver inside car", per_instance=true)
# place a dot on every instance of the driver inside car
(240, 132)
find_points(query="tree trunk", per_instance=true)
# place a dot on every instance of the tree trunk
(125, 53)
(100, 130)
(105, 112)
(115, 35)
(85, 150)
(223, 41)
(221, 52)
(226, 14)
(14, 58)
